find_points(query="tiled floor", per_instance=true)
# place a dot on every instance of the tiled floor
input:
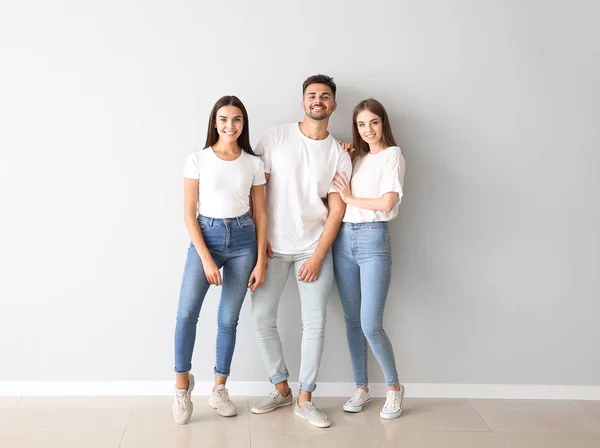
(146, 422)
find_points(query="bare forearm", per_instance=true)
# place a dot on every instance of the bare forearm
(383, 204)
(261, 235)
(332, 226)
(196, 235)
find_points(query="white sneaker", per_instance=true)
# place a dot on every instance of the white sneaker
(219, 400)
(360, 398)
(182, 404)
(393, 404)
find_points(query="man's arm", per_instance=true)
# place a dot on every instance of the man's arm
(310, 270)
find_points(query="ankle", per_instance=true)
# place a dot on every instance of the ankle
(395, 388)
(182, 386)
(304, 397)
(365, 388)
(283, 389)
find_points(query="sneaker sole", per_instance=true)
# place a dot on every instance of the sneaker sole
(266, 411)
(318, 425)
(390, 416)
(355, 409)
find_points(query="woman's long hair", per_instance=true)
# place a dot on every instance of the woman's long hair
(361, 148)
(212, 136)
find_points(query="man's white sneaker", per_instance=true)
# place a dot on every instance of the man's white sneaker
(310, 412)
(360, 398)
(219, 400)
(182, 404)
(393, 404)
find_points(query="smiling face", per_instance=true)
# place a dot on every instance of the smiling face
(318, 101)
(370, 127)
(229, 123)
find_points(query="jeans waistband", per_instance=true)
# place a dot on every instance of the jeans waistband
(224, 222)
(376, 225)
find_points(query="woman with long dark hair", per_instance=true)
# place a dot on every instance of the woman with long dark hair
(218, 183)
(361, 253)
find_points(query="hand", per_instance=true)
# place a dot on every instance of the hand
(310, 270)
(269, 254)
(340, 182)
(346, 146)
(257, 278)
(211, 271)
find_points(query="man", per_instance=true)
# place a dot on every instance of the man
(305, 212)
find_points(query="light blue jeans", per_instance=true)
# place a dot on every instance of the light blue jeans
(232, 244)
(313, 297)
(363, 265)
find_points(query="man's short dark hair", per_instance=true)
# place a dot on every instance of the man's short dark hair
(319, 79)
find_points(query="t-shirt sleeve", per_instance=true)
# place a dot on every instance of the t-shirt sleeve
(344, 166)
(192, 167)
(259, 173)
(393, 174)
(264, 149)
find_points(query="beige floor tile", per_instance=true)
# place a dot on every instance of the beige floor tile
(66, 419)
(395, 439)
(429, 414)
(61, 439)
(523, 405)
(155, 413)
(535, 416)
(323, 438)
(284, 419)
(6, 406)
(589, 405)
(86, 402)
(191, 438)
(545, 440)
(8, 402)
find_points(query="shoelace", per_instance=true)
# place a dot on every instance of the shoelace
(223, 395)
(274, 394)
(181, 400)
(357, 396)
(391, 401)
(310, 406)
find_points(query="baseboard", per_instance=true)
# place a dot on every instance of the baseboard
(421, 390)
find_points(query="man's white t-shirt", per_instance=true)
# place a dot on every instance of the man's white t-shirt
(302, 172)
(223, 185)
(375, 175)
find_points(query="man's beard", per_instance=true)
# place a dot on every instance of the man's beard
(323, 115)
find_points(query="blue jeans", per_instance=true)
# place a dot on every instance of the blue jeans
(362, 264)
(232, 244)
(313, 301)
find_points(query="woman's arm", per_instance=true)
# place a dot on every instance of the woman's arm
(259, 210)
(190, 199)
(385, 203)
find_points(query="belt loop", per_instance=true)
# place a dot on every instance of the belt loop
(211, 221)
(238, 220)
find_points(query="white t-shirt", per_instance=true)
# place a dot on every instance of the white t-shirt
(375, 175)
(302, 172)
(223, 186)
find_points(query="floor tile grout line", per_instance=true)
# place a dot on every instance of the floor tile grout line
(479, 415)
(10, 410)
(126, 425)
(249, 430)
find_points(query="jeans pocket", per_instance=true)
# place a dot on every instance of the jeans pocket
(248, 226)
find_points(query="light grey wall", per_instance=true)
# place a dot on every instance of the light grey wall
(495, 103)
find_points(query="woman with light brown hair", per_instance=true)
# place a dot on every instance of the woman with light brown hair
(362, 253)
